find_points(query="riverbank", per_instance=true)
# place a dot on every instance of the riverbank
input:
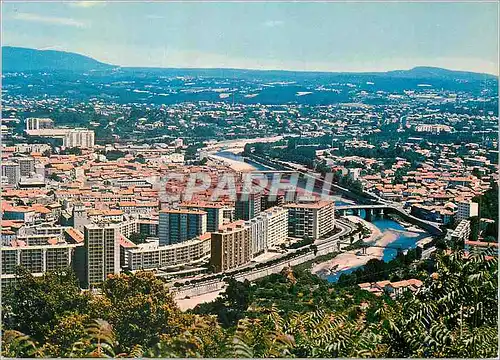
(190, 303)
(234, 164)
(354, 258)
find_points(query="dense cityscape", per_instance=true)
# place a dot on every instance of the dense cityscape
(150, 212)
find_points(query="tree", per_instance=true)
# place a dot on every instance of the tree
(231, 305)
(138, 238)
(140, 159)
(36, 305)
(128, 302)
(55, 177)
(15, 344)
(290, 314)
(474, 228)
(71, 151)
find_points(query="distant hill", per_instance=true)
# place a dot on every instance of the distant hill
(24, 59)
(428, 72)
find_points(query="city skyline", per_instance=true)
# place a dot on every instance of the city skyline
(270, 36)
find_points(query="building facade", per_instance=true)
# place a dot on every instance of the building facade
(11, 172)
(311, 220)
(277, 226)
(466, 209)
(150, 256)
(180, 225)
(81, 138)
(215, 213)
(247, 205)
(26, 165)
(461, 233)
(231, 247)
(39, 123)
(268, 230)
(102, 253)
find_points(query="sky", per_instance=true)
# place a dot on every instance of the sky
(335, 36)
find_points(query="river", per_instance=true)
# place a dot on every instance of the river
(402, 242)
(258, 166)
(236, 157)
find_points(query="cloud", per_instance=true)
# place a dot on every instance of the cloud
(86, 4)
(274, 23)
(48, 19)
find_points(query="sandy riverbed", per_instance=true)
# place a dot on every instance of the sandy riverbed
(185, 304)
(350, 259)
(234, 164)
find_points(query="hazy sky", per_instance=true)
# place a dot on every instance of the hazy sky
(298, 36)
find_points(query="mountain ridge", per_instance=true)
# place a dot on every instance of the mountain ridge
(19, 59)
(28, 59)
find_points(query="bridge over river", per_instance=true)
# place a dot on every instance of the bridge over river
(380, 209)
(374, 204)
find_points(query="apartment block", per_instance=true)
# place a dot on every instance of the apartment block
(37, 259)
(81, 138)
(26, 165)
(80, 216)
(180, 225)
(215, 213)
(461, 232)
(151, 255)
(247, 205)
(101, 255)
(11, 172)
(258, 234)
(39, 123)
(269, 229)
(310, 220)
(231, 247)
(466, 209)
(277, 226)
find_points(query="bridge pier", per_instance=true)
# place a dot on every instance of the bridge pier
(384, 210)
(369, 213)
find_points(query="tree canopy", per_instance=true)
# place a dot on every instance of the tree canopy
(290, 314)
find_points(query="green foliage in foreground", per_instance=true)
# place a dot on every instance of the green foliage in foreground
(292, 314)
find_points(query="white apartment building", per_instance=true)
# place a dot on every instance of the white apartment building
(153, 256)
(102, 253)
(39, 123)
(29, 148)
(461, 232)
(269, 229)
(11, 173)
(37, 259)
(127, 182)
(466, 209)
(311, 220)
(258, 234)
(277, 226)
(81, 138)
